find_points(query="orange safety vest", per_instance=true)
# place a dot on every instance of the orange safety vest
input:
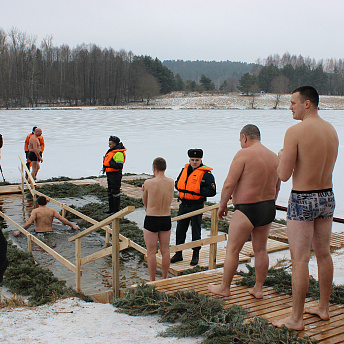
(108, 157)
(41, 142)
(191, 183)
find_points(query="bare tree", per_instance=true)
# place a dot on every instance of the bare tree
(148, 86)
(279, 85)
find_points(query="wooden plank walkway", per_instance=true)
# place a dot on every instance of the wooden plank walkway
(272, 306)
(179, 267)
(244, 256)
(337, 239)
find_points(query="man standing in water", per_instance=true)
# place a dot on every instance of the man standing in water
(43, 217)
(113, 165)
(309, 155)
(157, 198)
(253, 184)
(34, 151)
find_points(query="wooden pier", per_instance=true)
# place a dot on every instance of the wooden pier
(273, 306)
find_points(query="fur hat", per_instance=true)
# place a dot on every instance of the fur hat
(195, 153)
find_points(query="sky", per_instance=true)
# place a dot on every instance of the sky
(209, 30)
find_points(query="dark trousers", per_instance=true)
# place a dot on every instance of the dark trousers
(3, 257)
(183, 225)
(114, 180)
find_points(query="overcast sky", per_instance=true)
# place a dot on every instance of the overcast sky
(220, 30)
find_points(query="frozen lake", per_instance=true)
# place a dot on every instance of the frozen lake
(76, 140)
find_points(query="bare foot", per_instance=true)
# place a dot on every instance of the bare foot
(322, 314)
(219, 289)
(289, 323)
(257, 293)
(16, 233)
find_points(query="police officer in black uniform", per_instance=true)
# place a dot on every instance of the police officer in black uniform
(194, 183)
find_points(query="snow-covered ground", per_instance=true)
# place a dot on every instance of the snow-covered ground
(73, 321)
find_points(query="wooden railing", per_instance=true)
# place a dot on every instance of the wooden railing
(119, 242)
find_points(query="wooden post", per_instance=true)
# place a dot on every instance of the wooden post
(107, 238)
(22, 175)
(63, 214)
(34, 197)
(213, 231)
(78, 265)
(29, 246)
(115, 257)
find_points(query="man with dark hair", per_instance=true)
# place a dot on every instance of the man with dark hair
(253, 185)
(194, 183)
(309, 154)
(157, 198)
(43, 217)
(113, 162)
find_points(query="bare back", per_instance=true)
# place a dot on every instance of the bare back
(316, 144)
(44, 218)
(258, 180)
(158, 195)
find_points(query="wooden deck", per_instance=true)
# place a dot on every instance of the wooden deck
(272, 306)
(244, 256)
(337, 239)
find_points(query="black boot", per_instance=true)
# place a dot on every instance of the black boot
(116, 204)
(111, 206)
(195, 257)
(178, 257)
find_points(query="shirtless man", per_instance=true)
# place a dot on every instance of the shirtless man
(157, 198)
(34, 151)
(253, 184)
(43, 217)
(309, 155)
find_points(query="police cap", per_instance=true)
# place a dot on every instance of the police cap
(195, 153)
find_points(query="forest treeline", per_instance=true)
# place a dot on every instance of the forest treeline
(282, 74)
(32, 75)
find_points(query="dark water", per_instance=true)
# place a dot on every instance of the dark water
(97, 275)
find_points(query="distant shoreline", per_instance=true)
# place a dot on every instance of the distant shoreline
(206, 101)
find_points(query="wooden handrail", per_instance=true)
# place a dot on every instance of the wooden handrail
(27, 170)
(45, 247)
(199, 211)
(103, 223)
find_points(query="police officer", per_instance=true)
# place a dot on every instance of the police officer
(113, 164)
(194, 183)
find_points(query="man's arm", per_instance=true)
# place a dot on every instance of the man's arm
(208, 186)
(145, 194)
(235, 171)
(31, 220)
(65, 221)
(117, 161)
(288, 155)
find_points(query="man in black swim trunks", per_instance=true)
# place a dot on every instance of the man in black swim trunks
(34, 151)
(253, 185)
(157, 198)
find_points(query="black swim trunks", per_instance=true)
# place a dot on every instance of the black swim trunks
(32, 156)
(310, 205)
(157, 223)
(260, 213)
